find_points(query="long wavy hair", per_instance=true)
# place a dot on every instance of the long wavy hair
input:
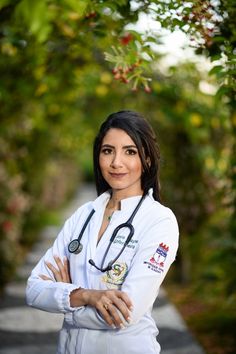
(142, 134)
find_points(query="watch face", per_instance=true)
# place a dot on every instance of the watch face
(75, 247)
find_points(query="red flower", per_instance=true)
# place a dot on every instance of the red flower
(126, 39)
(92, 14)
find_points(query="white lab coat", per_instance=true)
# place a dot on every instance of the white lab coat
(139, 272)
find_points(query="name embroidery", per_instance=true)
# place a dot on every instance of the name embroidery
(120, 240)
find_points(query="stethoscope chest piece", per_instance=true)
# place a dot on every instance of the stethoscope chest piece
(75, 247)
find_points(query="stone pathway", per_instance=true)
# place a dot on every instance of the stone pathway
(24, 330)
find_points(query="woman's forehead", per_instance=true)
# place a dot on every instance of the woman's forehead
(117, 136)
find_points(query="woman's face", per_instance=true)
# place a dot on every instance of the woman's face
(120, 162)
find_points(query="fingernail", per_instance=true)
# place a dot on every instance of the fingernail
(113, 326)
(131, 308)
(122, 326)
(129, 319)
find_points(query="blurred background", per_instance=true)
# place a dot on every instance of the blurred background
(65, 65)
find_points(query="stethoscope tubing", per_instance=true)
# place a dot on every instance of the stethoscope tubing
(76, 247)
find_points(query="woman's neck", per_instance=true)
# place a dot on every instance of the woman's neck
(114, 204)
(116, 197)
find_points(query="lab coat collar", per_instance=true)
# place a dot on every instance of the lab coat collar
(102, 200)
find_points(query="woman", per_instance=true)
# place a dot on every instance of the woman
(106, 289)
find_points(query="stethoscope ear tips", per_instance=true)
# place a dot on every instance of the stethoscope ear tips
(75, 247)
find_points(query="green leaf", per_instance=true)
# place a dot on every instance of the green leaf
(216, 70)
(178, 23)
(36, 16)
(218, 39)
(78, 6)
(216, 57)
(223, 91)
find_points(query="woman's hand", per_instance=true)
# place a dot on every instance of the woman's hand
(62, 274)
(113, 305)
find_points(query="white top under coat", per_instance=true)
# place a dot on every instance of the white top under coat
(139, 272)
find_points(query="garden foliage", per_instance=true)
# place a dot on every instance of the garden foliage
(65, 65)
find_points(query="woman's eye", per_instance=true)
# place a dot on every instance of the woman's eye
(106, 151)
(131, 152)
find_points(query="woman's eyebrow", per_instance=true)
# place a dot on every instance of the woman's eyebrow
(129, 147)
(107, 145)
(123, 147)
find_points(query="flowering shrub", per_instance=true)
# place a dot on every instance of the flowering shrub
(131, 59)
(13, 204)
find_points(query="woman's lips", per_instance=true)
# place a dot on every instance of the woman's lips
(117, 175)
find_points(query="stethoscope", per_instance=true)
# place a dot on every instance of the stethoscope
(75, 246)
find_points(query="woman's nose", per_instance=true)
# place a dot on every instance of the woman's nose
(116, 160)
